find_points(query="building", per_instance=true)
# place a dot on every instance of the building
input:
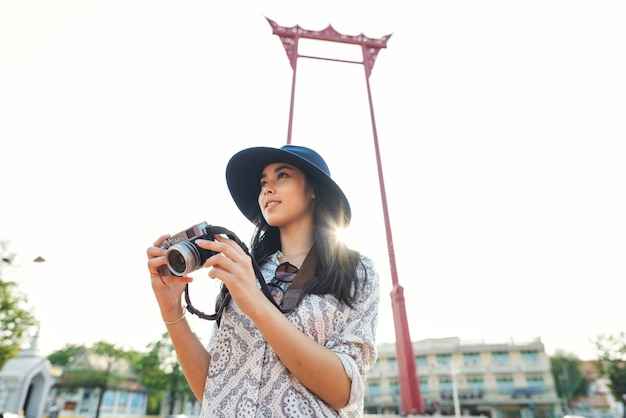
(497, 380)
(124, 395)
(25, 383)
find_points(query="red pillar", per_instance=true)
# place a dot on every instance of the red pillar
(408, 379)
(407, 367)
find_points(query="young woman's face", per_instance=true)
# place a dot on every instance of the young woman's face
(285, 195)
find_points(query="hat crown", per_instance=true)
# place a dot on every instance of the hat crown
(309, 155)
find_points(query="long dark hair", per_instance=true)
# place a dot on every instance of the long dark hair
(336, 269)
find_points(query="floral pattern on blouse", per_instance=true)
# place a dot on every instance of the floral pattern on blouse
(247, 379)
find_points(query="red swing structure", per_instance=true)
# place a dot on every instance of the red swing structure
(407, 368)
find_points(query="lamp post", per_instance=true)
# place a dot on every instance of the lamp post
(407, 370)
(9, 258)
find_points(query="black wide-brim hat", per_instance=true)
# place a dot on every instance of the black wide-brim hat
(243, 175)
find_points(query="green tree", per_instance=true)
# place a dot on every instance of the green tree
(151, 375)
(569, 380)
(612, 361)
(65, 355)
(160, 372)
(17, 325)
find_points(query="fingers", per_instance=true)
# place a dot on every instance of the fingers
(160, 274)
(225, 246)
(160, 240)
(156, 260)
(156, 250)
(158, 268)
(232, 265)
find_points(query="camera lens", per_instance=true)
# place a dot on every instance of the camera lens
(183, 258)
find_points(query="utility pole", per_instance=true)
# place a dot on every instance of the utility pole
(455, 391)
(289, 36)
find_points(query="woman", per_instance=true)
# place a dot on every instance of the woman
(308, 358)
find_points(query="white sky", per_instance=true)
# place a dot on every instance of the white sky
(501, 128)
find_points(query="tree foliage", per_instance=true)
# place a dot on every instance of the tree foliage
(612, 361)
(160, 372)
(63, 356)
(569, 380)
(17, 324)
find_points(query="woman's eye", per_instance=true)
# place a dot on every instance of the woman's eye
(282, 175)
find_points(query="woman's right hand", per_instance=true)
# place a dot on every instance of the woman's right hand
(193, 357)
(167, 288)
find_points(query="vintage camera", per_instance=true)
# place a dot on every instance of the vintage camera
(183, 255)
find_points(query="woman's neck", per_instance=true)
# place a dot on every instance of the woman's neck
(295, 245)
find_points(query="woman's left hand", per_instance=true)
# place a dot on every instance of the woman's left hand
(234, 268)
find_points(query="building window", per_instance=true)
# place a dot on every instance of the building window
(444, 359)
(471, 359)
(392, 363)
(476, 384)
(505, 384)
(445, 385)
(134, 399)
(123, 399)
(86, 395)
(424, 387)
(109, 398)
(530, 356)
(421, 362)
(394, 388)
(500, 357)
(536, 382)
(373, 389)
(138, 401)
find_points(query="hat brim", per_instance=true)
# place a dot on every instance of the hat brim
(243, 174)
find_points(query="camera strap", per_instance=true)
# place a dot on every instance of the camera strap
(211, 231)
(305, 273)
(292, 296)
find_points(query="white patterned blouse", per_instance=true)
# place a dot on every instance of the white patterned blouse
(247, 379)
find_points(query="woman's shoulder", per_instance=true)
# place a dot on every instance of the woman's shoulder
(367, 280)
(359, 256)
(365, 259)
(366, 263)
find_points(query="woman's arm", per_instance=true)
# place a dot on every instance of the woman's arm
(193, 357)
(317, 367)
(351, 351)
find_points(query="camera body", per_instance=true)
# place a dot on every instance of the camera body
(183, 255)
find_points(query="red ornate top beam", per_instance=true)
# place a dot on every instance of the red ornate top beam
(289, 37)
